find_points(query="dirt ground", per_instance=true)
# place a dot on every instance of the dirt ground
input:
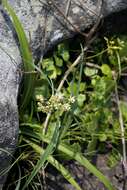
(86, 180)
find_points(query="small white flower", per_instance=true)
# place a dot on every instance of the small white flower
(67, 107)
(40, 98)
(72, 99)
(60, 96)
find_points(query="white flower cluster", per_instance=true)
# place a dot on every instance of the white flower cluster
(56, 103)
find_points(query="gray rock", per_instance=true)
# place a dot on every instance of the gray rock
(45, 25)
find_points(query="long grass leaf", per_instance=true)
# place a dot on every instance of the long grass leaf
(80, 159)
(49, 150)
(66, 174)
(26, 56)
(19, 181)
(83, 161)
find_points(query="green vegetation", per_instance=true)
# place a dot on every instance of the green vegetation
(72, 106)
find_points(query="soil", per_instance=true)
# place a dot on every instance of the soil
(86, 180)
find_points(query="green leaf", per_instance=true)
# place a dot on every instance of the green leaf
(113, 158)
(47, 63)
(82, 86)
(77, 111)
(123, 106)
(51, 70)
(63, 51)
(76, 147)
(81, 98)
(123, 51)
(58, 61)
(106, 70)
(90, 71)
(113, 59)
(103, 137)
(73, 88)
(53, 75)
(58, 70)
(42, 90)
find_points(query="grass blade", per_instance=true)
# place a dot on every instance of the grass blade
(66, 174)
(26, 56)
(83, 161)
(49, 150)
(80, 159)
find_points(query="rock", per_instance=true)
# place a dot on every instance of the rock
(9, 83)
(45, 25)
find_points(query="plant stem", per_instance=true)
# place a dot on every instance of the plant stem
(124, 159)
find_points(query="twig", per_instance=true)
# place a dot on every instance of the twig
(88, 64)
(67, 8)
(123, 74)
(45, 128)
(124, 159)
(84, 7)
(51, 2)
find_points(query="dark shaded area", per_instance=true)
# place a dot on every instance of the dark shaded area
(114, 24)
